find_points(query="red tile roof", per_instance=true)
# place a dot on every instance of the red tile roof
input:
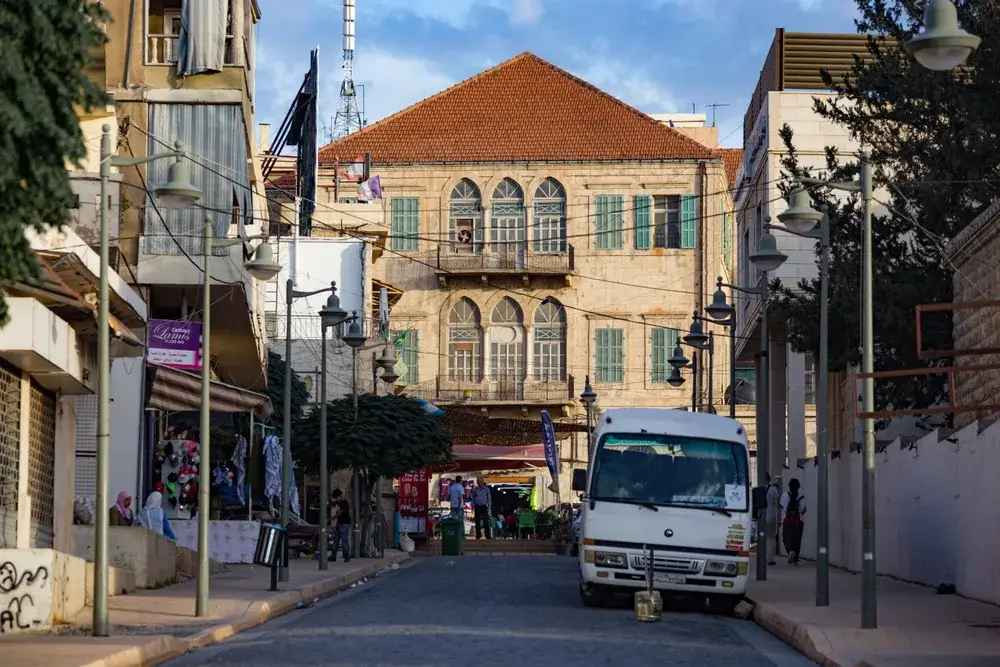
(732, 157)
(524, 109)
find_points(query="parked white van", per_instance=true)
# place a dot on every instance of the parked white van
(675, 481)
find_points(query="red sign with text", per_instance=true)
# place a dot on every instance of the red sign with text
(414, 501)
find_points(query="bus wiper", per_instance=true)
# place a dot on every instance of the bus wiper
(717, 510)
(630, 501)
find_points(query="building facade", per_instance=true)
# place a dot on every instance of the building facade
(541, 232)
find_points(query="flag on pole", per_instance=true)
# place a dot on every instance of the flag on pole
(371, 189)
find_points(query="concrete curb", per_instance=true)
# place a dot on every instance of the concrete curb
(804, 638)
(165, 647)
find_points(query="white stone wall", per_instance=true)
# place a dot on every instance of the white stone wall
(25, 590)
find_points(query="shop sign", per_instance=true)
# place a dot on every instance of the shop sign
(414, 501)
(174, 344)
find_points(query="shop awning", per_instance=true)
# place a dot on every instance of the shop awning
(473, 428)
(172, 390)
(469, 458)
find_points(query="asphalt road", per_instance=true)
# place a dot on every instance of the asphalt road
(515, 611)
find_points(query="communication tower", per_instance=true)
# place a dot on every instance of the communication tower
(348, 117)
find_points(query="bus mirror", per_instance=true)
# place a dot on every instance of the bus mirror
(579, 479)
(759, 497)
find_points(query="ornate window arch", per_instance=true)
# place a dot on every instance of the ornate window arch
(465, 338)
(549, 220)
(549, 333)
(507, 218)
(507, 344)
(465, 217)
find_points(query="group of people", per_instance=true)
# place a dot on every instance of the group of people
(482, 501)
(784, 514)
(151, 515)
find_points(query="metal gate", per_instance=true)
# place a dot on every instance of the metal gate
(10, 449)
(41, 464)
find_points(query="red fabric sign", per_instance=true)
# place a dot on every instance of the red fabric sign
(414, 500)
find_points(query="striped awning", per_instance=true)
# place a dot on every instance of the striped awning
(173, 390)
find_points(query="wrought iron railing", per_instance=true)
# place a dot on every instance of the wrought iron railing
(485, 390)
(504, 258)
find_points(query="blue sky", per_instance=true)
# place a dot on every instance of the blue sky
(658, 55)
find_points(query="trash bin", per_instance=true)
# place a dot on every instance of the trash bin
(269, 542)
(451, 536)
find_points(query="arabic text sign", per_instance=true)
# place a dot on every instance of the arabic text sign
(174, 344)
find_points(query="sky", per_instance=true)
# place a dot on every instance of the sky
(657, 55)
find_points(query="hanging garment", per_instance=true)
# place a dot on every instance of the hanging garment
(293, 496)
(272, 467)
(240, 461)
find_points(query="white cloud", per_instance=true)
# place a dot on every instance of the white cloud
(625, 81)
(454, 13)
(526, 11)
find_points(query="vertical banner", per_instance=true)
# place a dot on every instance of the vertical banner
(414, 501)
(551, 450)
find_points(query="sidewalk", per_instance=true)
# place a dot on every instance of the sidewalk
(917, 627)
(150, 626)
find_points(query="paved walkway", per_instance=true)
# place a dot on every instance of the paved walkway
(152, 625)
(917, 627)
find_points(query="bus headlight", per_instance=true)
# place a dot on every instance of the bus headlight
(720, 568)
(609, 559)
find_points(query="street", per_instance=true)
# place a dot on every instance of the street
(515, 610)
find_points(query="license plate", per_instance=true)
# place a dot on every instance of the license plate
(669, 578)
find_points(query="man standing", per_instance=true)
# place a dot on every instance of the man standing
(773, 517)
(341, 525)
(456, 494)
(481, 503)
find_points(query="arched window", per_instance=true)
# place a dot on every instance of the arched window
(550, 342)
(465, 337)
(507, 346)
(550, 217)
(507, 219)
(465, 218)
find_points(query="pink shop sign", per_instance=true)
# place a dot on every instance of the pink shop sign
(174, 344)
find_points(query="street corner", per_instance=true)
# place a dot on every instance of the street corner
(800, 636)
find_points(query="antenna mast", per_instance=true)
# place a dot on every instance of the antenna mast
(348, 118)
(714, 107)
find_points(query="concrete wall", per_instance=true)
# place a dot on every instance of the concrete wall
(41, 587)
(936, 505)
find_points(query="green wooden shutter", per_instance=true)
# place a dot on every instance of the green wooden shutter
(661, 347)
(609, 222)
(689, 220)
(640, 206)
(405, 223)
(609, 355)
(407, 351)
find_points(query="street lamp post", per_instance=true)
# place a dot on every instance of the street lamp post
(261, 267)
(799, 219)
(699, 340)
(588, 398)
(286, 432)
(723, 313)
(177, 193)
(767, 258)
(355, 338)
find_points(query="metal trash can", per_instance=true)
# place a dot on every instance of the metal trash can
(269, 543)
(451, 536)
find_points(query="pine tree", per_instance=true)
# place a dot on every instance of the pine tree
(936, 136)
(43, 55)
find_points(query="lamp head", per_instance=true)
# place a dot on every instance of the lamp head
(943, 45)
(696, 337)
(387, 361)
(589, 396)
(719, 309)
(677, 358)
(178, 191)
(389, 376)
(354, 337)
(800, 217)
(262, 266)
(767, 257)
(675, 379)
(331, 314)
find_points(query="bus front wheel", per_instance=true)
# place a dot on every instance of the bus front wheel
(594, 595)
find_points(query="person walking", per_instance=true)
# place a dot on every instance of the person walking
(481, 504)
(793, 508)
(341, 525)
(456, 494)
(772, 516)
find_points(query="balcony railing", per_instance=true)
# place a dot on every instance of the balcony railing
(515, 258)
(446, 390)
(163, 50)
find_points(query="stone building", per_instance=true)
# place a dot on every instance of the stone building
(541, 231)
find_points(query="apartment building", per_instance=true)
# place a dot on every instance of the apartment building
(541, 231)
(178, 71)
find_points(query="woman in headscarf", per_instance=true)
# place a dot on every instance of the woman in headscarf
(121, 513)
(153, 517)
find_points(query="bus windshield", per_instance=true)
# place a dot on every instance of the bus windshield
(659, 469)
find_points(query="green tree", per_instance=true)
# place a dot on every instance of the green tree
(43, 55)
(390, 436)
(276, 392)
(934, 134)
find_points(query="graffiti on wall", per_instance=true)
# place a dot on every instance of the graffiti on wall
(25, 590)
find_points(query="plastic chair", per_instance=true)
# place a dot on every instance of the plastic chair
(526, 521)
